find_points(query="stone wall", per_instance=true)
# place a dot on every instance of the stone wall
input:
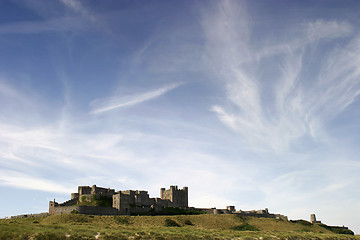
(90, 210)
(122, 202)
(84, 190)
(65, 210)
(99, 191)
(96, 210)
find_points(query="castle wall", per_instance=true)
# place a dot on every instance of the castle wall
(142, 199)
(161, 203)
(90, 210)
(98, 191)
(139, 210)
(122, 202)
(96, 210)
(74, 195)
(84, 190)
(65, 210)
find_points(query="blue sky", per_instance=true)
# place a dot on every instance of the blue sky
(248, 103)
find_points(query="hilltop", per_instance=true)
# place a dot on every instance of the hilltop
(205, 226)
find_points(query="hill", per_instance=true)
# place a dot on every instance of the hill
(76, 226)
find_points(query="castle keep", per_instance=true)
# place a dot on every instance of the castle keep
(105, 201)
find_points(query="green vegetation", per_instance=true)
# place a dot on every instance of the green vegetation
(338, 230)
(74, 212)
(78, 226)
(171, 223)
(188, 222)
(122, 220)
(302, 222)
(245, 227)
(170, 211)
(102, 201)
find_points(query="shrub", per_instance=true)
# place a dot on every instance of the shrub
(104, 201)
(74, 211)
(302, 222)
(338, 230)
(171, 223)
(122, 220)
(47, 236)
(188, 222)
(245, 227)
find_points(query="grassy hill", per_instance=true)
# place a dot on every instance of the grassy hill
(204, 226)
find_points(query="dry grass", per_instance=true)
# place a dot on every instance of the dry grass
(153, 227)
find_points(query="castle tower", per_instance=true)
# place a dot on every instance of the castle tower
(313, 219)
(172, 193)
(162, 193)
(177, 197)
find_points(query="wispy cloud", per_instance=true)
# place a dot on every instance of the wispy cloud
(307, 33)
(53, 25)
(300, 106)
(321, 29)
(24, 181)
(78, 7)
(104, 105)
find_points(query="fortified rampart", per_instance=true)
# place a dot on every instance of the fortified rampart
(253, 213)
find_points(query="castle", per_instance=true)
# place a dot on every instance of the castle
(105, 201)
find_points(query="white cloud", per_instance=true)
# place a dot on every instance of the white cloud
(53, 25)
(326, 29)
(308, 33)
(78, 7)
(104, 105)
(24, 181)
(302, 106)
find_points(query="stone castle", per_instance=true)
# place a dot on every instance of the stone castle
(87, 199)
(105, 201)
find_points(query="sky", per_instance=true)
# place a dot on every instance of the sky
(248, 103)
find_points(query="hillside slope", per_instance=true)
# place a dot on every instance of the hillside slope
(161, 227)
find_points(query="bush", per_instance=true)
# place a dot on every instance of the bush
(104, 201)
(302, 222)
(122, 220)
(74, 211)
(171, 223)
(245, 227)
(338, 230)
(47, 236)
(188, 222)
